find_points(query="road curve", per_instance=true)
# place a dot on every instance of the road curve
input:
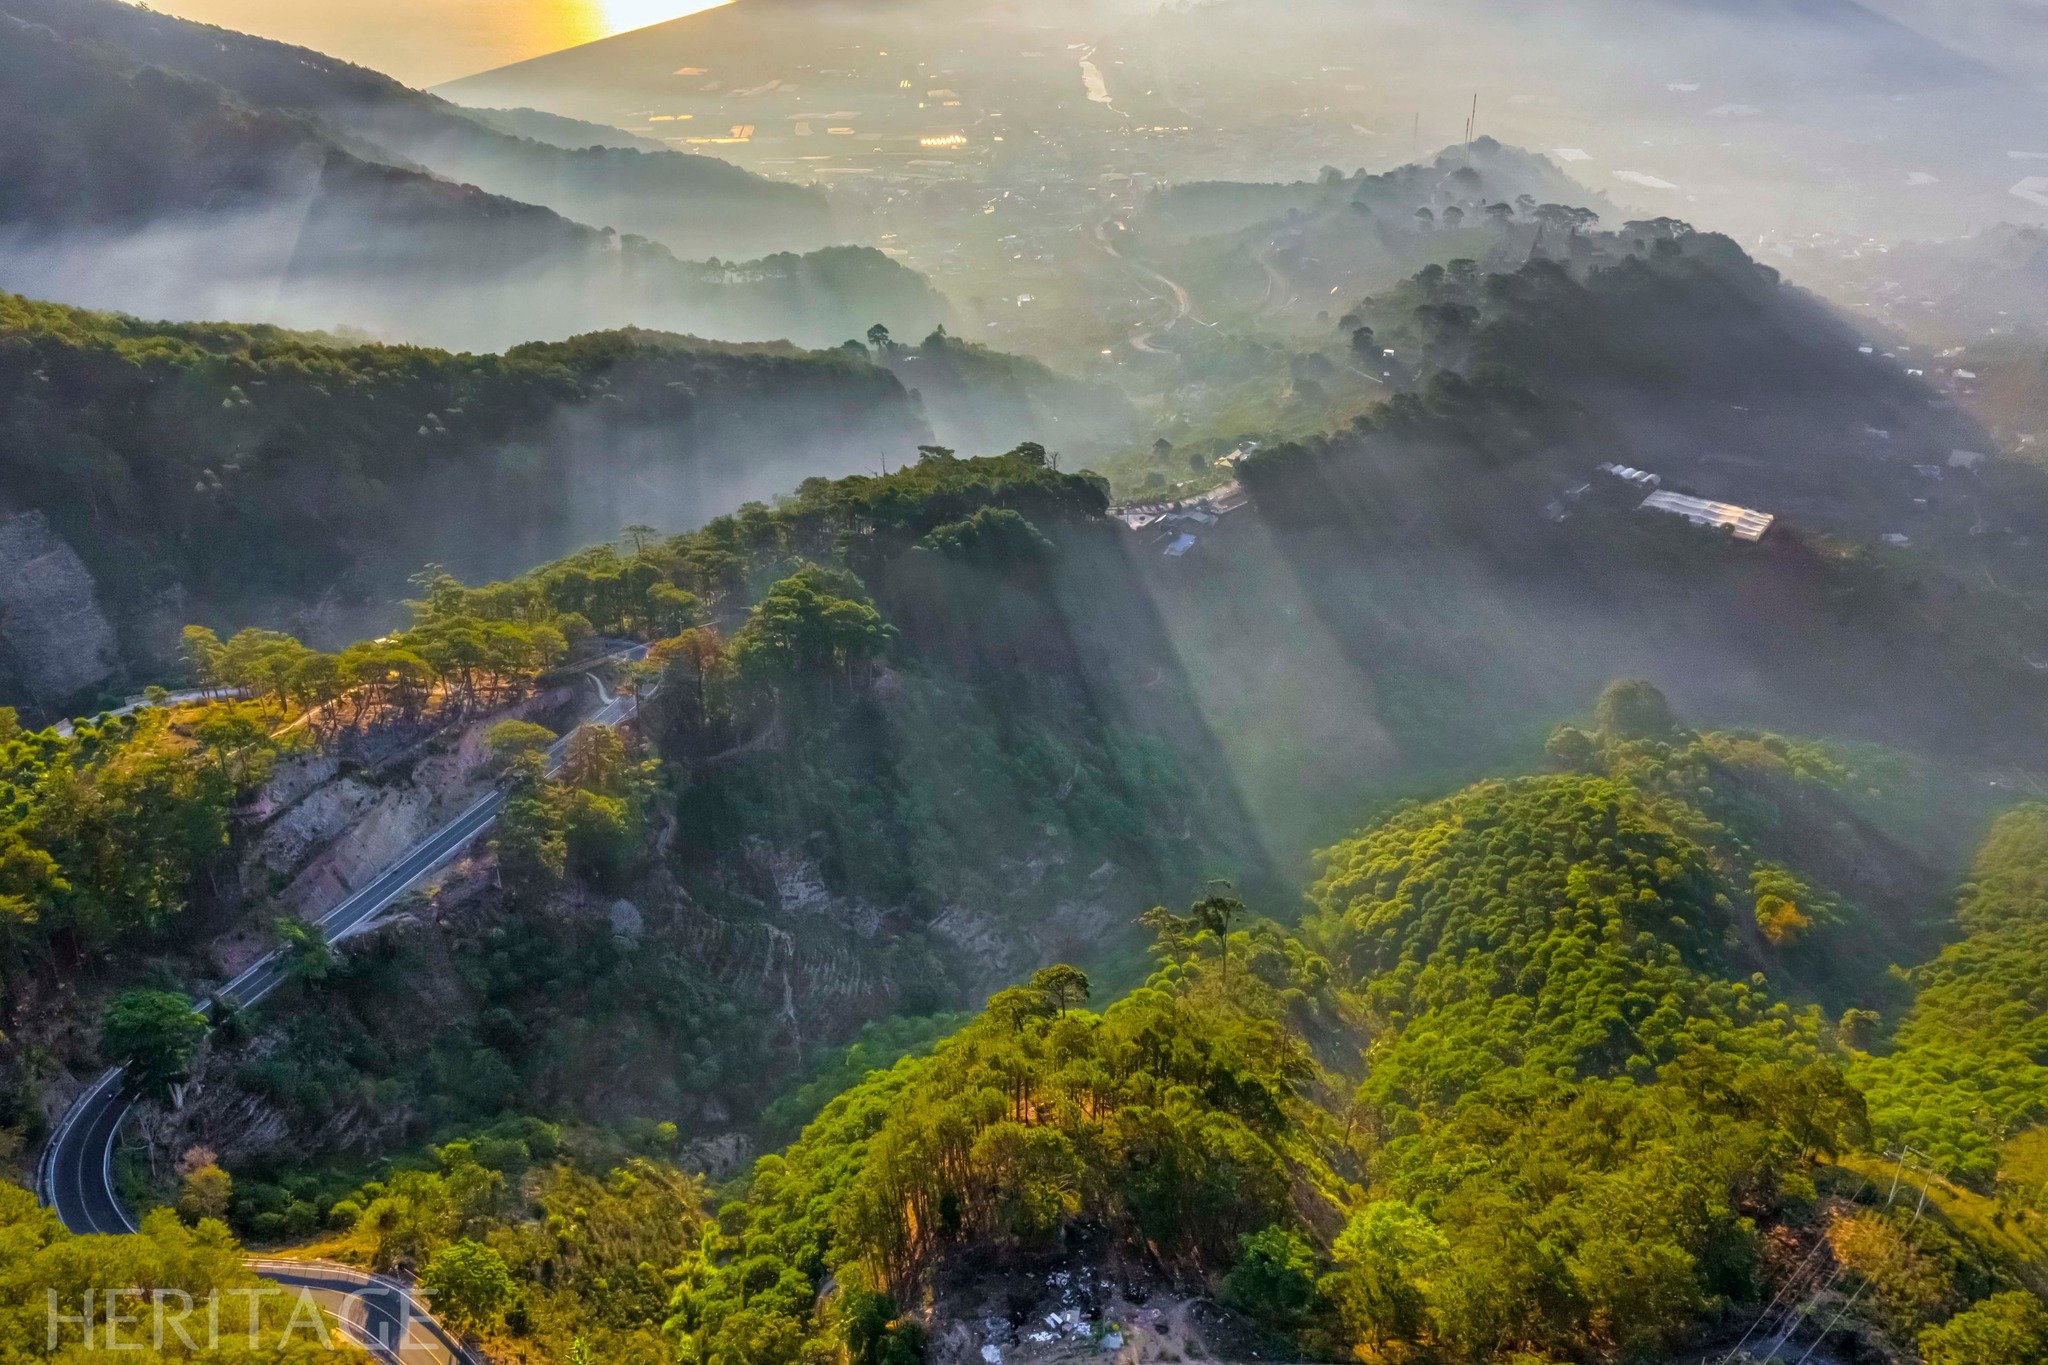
(376, 1312)
(75, 1175)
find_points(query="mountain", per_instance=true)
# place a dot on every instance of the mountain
(135, 187)
(906, 738)
(980, 399)
(559, 131)
(1541, 1065)
(1276, 255)
(245, 473)
(1734, 111)
(2010, 35)
(696, 206)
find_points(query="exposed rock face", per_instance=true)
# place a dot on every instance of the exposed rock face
(52, 631)
(1081, 1307)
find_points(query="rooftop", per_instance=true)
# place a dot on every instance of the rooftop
(1746, 523)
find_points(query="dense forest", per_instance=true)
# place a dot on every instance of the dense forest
(242, 473)
(1723, 378)
(186, 1266)
(841, 1008)
(1589, 1066)
(1457, 565)
(1548, 1071)
(886, 759)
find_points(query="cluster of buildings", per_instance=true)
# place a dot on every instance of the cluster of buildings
(1744, 523)
(1173, 528)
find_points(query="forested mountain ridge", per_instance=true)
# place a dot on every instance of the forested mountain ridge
(246, 474)
(133, 186)
(903, 737)
(1277, 253)
(1719, 373)
(696, 206)
(1457, 564)
(898, 764)
(1651, 978)
(1533, 1079)
(1969, 1072)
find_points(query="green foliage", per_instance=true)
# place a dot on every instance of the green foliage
(1578, 1112)
(1572, 1117)
(1969, 1066)
(876, 1335)
(111, 835)
(1904, 1284)
(531, 839)
(42, 1260)
(1510, 1061)
(1634, 709)
(816, 626)
(1061, 986)
(588, 824)
(510, 741)
(1606, 921)
(1166, 1117)
(1274, 1280)
(997, 539)
(155, 1034)
(879, 1046)
(523, 1247)
(2009, 1328)
(308, 957)
(206, 1192)
(467, 1284)
(240, 461)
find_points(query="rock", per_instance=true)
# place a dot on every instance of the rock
(719, 1158)
(321, 815)
(800, 890)
(290, 782)
(627, 921)
(51, 627)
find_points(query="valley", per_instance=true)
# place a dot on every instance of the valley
(914, 685)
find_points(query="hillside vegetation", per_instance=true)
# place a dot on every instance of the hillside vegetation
(1966, 1079)
(242, 473)
(213, 1310)
(1530, 1081)
(885, 761)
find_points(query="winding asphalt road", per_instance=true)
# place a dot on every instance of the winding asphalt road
(76, 1173)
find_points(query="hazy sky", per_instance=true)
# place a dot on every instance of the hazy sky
(426, 41)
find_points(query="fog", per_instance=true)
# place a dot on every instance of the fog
(980, 155)
(386, 273)
(1763, 116)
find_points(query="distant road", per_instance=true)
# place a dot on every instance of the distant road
(64, 727)
(1183, 302)
(76, 1173)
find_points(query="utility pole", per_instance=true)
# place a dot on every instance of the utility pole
(1472, 123)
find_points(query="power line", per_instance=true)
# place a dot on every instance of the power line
(1813, 1302)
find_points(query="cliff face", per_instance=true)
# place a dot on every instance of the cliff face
(54, 639)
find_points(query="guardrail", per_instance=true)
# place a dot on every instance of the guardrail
(322, 1275)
